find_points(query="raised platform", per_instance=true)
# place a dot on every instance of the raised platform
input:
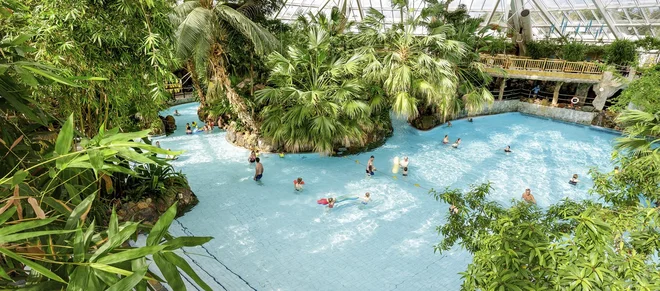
(546, 69)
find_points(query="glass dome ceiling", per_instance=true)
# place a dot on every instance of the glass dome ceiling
(586, 20)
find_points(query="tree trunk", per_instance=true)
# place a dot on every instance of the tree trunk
(220, 77)
(195, 79)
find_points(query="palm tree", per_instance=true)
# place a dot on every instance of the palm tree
(317, 100)
(639, 154)
(203, 27)
(412, 76)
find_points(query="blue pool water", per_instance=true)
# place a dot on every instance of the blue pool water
(270, 237)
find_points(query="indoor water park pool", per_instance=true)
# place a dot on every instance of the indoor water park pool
(267, 236)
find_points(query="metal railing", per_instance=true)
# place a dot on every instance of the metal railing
(544, 65)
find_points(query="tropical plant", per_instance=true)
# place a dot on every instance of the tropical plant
(52, 245)
(318, 100)
(75, 37)
(621, 52)
(638, 153)
(574, 51)
(568, 246)
(203, 28)
(643, 93)
(419, 74)
(542, 49)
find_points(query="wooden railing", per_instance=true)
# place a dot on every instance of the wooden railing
(544, 65)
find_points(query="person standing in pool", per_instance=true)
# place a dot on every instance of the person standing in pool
(527, 196)
(446, 139)
(370, 166)
(448, 123)
(457, 143)
(259, 170)
(176, 113)
(158, 144)
(252, 158)
(507, 149)
(404, 165)
(574, 180)
(470, 120)
(188, 129)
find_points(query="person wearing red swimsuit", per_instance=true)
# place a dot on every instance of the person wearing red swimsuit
(298, 184)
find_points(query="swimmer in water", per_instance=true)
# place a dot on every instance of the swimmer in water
(170, 157)
(507, 149)
(470, 120)
(616, 170)
(366, 198)
(188, 129)
(448, 123)
(253, 157)
(330, 202)
(370, 166)
(158, 144)
(527, 196)
(574, 180)
(446, 139)
(298, 184)
(457, 143)
(194, 124)
(176, 113)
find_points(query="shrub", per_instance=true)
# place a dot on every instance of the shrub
(622, 53)
(541, 49)
(574, 52)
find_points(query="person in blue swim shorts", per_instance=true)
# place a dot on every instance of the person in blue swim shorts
(259, 170)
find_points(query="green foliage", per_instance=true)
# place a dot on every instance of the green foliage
(496, 46)
(622, 53)
(596, 52)
(643, 93)
(574, 51)
(569, 246)
(33, 235)
(542, 49)
(648, 43)
(319, 100)
(135, 57)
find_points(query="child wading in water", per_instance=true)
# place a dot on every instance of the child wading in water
(298, 184)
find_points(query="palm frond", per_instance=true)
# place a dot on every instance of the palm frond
(263, 41)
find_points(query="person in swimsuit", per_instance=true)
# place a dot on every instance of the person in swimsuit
(616, 170)
(259, 171)
(448, 123)
(330, 202)
(527, 196)
(470, 120)
(574, 180)
(366, 198)
(370, 166)
(446, 139)
(170, 157)
(176, 113)
(188, 129)
(507, 149)
(298, 184)
(253, 157)
(194, 124)
(457, 143)
(158, 144)
(404, 164)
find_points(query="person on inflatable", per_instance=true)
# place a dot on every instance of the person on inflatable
(327, 201)
(298, 184)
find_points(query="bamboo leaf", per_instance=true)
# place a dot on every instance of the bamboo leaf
(183, 265)
(27, 235)
(186, 241)
(162, 225)
(129, 282)
(4, 215)
(65, 137)
(170, 272)
(25, 226)
(33, 265)
(115, 241)
(130, 254)
(37, 209)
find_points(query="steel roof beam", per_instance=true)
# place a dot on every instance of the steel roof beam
(548, 17)
(608, 19)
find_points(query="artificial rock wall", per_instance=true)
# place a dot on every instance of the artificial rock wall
(568, 115)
